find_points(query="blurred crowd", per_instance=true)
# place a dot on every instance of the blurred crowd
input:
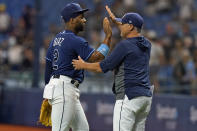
(171, 26)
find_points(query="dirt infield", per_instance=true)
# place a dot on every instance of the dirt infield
(5, 127)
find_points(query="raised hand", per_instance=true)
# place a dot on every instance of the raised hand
(107, 27)
(78, 64)
(111, 15)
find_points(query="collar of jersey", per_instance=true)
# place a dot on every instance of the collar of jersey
(67, 32)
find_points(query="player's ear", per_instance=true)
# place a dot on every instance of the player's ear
(72, 20)
(131, 27)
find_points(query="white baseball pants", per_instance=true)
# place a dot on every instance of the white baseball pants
(67, 111)
(130, 115)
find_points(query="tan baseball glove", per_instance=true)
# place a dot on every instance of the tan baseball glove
(45, 113)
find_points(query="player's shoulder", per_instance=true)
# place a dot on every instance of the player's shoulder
(148, 41)
(80, 39)
(125, 46)
(123, 43)
(70, 36)
(64, 34)
(120, 46)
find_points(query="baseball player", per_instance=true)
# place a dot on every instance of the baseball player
(62, 81)
(130, 61)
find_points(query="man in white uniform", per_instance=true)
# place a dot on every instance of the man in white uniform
(61, 80)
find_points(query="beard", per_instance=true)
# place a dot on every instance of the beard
(79, 27)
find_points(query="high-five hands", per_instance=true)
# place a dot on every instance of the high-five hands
(112, 16)
(107, 27)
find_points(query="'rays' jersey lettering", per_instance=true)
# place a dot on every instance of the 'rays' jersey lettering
(65, 47)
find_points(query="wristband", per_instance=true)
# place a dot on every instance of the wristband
(103, 49)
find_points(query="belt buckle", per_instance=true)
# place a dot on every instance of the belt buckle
(75, 83)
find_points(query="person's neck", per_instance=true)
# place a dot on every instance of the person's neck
(71, 29)
(133, 34)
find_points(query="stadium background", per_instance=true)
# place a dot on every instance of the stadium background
(27, 26)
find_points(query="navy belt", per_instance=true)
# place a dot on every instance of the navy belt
(73, 81)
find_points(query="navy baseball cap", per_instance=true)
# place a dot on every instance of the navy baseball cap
(72, 10)
(132, 18)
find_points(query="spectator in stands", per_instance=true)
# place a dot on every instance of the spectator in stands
(29, 17)
(164, 6)
(15, 56)
(130, 5)
(5, 19)
(165, 75)
(186, 31)
(150, 8)
(188, 42)
(4, 66)
(185, 72)
(185, 11)
(28, 59)
(157, 55)
(169, 38)
(19, 30)
(177, 51)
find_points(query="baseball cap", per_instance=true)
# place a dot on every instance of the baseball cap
(72, 10)
(132, 18)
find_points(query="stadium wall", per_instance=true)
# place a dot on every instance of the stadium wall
(169, 112)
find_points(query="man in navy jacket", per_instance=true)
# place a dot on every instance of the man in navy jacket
(130, 61)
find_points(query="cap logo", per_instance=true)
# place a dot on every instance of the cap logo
(130, 21)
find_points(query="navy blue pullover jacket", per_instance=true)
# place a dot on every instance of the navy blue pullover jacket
(130, 61)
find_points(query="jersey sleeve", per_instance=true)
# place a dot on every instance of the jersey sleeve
(83, 49)
(49, 52)
(48, 66)
(48, 71)
(114, 59)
